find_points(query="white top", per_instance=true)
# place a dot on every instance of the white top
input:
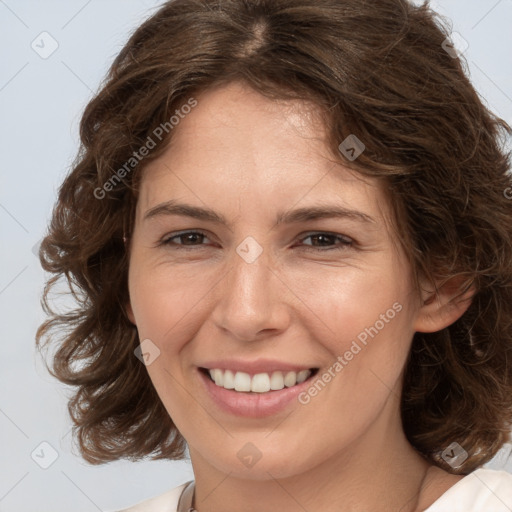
(483, 490)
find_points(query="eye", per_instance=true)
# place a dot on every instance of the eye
(321, 241)
(187, 238)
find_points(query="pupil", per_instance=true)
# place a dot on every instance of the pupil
(325, 238)
(191, 237)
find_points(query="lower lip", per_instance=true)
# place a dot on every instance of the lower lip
(253, 405)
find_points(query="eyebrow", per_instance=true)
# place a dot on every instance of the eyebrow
(173, 207)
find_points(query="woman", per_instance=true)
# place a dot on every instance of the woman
(289, 239)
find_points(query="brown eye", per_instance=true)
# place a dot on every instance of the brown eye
(327, 241)
(186, 238)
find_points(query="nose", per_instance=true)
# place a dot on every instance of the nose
(251, 300)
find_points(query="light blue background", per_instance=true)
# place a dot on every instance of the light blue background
(41, 102)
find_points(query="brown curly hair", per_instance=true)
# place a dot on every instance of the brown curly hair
(378, 70)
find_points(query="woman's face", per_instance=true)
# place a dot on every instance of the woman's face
(267, 284)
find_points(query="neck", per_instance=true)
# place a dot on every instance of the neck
(380, 470)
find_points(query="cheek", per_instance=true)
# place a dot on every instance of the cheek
(166, 310)
(163, 299)
(375, 338)
(350, 303)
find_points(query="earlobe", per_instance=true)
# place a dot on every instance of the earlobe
(441, 309)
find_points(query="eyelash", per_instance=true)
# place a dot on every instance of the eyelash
(345, 241)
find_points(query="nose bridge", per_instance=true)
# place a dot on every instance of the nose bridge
(248, 300)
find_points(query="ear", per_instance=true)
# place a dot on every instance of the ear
(128, 306)
(129, 313)
(441, 309)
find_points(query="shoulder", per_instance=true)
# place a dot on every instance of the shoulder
(166, 502)
(483, 490)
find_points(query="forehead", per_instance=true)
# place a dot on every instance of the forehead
(240, 150)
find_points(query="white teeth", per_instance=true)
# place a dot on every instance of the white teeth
(277, 381)
(259, 383)
(242, 381)
(290, 379)
(302, 376)
(229, 379)
(218, 377)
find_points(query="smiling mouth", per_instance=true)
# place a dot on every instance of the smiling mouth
(243, 382)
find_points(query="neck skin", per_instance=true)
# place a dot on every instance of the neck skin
(380, 470)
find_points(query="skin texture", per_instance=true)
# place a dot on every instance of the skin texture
(249, 158)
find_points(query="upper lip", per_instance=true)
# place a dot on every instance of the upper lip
(254, 367)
